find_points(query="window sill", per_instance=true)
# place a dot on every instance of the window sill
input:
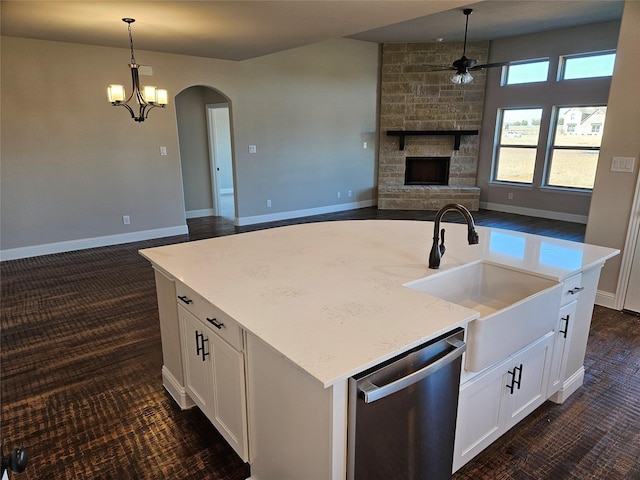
(574, 191)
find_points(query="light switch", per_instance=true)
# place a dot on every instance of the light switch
(622, 164)
(163, 151)
(252, 149)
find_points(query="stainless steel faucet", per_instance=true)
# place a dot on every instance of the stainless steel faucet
(437, 251)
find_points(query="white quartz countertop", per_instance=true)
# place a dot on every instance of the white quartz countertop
(331, 297)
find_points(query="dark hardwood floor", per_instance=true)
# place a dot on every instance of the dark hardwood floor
(81, 383)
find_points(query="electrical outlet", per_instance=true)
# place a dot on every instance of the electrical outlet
(338, 194)
(348, 193)
(364, 145)
(509, 196)
(268, 203)
(126, 219)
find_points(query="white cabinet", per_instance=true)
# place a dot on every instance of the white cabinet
(562, 339)
(501, 396)
(196, 358)
(214, 369)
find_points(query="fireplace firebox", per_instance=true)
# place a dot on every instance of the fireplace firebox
(427, 171)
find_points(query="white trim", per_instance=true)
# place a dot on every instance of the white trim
(569, 386)
(226, 191)
(606, 299)
(84, 243)
(177, 391)
(205, 212)
(274, 217)
(534, 212)
(628, 250)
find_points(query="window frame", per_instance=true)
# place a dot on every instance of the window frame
(504, 75)
(498, 145)
(551, 147)
(562, 64)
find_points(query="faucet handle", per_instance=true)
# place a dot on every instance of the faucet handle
(442, 247)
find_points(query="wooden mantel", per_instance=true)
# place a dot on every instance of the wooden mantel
(454, 133)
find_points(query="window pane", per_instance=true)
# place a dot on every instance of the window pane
(527, 72)
(573, 168)
(589, 66)
(578, 133)
(580, 126)
(515, 164)
(520, 127)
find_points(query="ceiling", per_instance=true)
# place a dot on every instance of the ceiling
(239, 29)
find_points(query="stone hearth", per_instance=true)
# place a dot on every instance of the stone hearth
(412, 98)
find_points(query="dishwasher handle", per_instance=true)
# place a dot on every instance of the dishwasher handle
(374, 392)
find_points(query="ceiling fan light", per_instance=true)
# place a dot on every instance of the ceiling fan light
(457, 78)
(467, 78)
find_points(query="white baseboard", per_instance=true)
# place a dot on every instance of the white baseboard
(606, 299)
(534, 212)
(569, 386)
(205, 212)
(84, 243)
(177, 391)
(274, 217)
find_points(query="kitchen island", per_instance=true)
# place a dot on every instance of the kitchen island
(283, 317)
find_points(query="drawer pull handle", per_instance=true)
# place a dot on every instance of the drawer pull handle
(185, 299)
(215, 323)
(514, 382)
(573, 291)
(200, 346)
(566, 326)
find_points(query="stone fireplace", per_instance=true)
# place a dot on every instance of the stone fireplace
(428, 117)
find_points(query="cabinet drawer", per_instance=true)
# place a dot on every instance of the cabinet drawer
(572, 288)
(214, 318)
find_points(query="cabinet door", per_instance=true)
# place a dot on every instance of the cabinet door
(228, 383)
(530, 371)
(196, 358)
(480, 420)
(562, 339)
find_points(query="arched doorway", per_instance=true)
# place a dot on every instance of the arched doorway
(206, 152)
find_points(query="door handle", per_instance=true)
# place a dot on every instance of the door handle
(515, 383)
(200, 345)
(566, 326)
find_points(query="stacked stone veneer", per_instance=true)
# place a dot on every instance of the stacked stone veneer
(413, 98)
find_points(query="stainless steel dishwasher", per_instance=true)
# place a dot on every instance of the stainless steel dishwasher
(402, 414)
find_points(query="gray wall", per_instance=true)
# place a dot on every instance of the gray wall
(567, 205)
(73, 165)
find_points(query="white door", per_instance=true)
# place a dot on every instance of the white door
(220, 155)
(632, 297)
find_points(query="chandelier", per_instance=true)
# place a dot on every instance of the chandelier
(147, 98)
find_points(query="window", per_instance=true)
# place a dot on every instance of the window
(573, 158)
(590, 65)
(515, 154)
(526, 72)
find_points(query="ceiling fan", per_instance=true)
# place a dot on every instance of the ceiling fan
(463, 65)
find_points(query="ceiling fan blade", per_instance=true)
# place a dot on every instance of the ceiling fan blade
(489, 65)
(439, 68)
